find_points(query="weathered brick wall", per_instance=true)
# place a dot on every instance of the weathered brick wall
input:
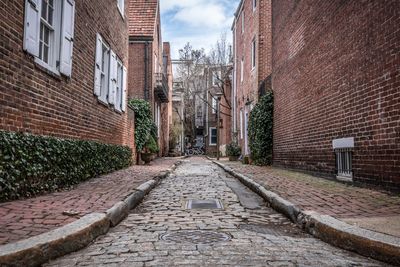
(32, 100)
(258, 26)
(336, 74)
(136, 76)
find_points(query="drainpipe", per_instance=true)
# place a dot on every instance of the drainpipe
(146, 71)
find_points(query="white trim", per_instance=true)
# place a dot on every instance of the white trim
(254, 4)
(253, 54)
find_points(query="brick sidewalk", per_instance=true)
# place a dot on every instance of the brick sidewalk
(324, 196)
(26, 218)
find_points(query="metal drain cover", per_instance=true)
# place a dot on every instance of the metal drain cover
(195, 237)
(204, 204)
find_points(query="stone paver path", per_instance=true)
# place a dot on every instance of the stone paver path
(30, 217)
(260, 236)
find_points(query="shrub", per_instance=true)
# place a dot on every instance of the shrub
(152, 145)
(31, 165)
(144, 124)
(233, 150)
(260, 130)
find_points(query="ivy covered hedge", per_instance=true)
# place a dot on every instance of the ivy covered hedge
(31, 165)
(261, 130)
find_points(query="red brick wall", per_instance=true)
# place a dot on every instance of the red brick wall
(258, 26)
(336, 74)
(32, 100)
(136, 76)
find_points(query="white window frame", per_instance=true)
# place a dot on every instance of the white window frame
(211, 135)
(54, 38)
(241, 70)
(253, 54)
(254, 5)
(60, 34)
(242, 22)
(121, 7)
(214, 105)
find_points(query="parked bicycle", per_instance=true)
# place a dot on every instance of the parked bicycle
(195, 151)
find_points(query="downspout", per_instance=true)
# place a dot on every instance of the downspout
(146, 71)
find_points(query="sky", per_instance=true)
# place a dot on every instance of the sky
(199, 22)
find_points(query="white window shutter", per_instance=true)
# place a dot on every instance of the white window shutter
(124, 89)
(32, 27)
(113, 78)
(98, 63)
(67, 37)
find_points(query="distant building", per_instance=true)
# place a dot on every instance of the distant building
(252, 50)
(150, 75)
(219, 91)
(336, 83)
(63, 72)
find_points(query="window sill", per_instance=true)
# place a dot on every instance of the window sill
(212, 144)
(102, 101)
(47, 68)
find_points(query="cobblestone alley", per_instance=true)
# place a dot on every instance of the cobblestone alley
(163, 231)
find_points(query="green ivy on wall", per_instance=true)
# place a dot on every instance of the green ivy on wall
(261, 130)
(145, 128)
(31, 165)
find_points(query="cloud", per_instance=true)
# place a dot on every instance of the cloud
(199, 22)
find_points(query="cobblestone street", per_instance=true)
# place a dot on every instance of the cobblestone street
(162, 231)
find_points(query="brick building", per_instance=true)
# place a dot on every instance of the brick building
(61, 77)
(219, 91)
(336, 82)
(252, 52)
(148, 78)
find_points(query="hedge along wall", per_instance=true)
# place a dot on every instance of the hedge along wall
(31, 165)
(260, 129)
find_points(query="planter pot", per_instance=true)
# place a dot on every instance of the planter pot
(233, 158)
(147, 157)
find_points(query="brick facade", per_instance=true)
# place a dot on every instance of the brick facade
(257, 27)
(336, 75)
(146, 60)
(34, 100)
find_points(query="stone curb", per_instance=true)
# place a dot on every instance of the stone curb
(333, 231)
(40, 249)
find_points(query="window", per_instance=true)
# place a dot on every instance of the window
(254, 5)
(216, 77)
(48, 33)
(241, 69)
(213, 136)
(253, 54)
(121, 7)
(241, 123)
(343, 151)
(199, 112)
(110, 76)
(243, 22)
(214, 105)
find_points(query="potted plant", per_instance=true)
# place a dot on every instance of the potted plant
(150, 150)
(233, 151)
